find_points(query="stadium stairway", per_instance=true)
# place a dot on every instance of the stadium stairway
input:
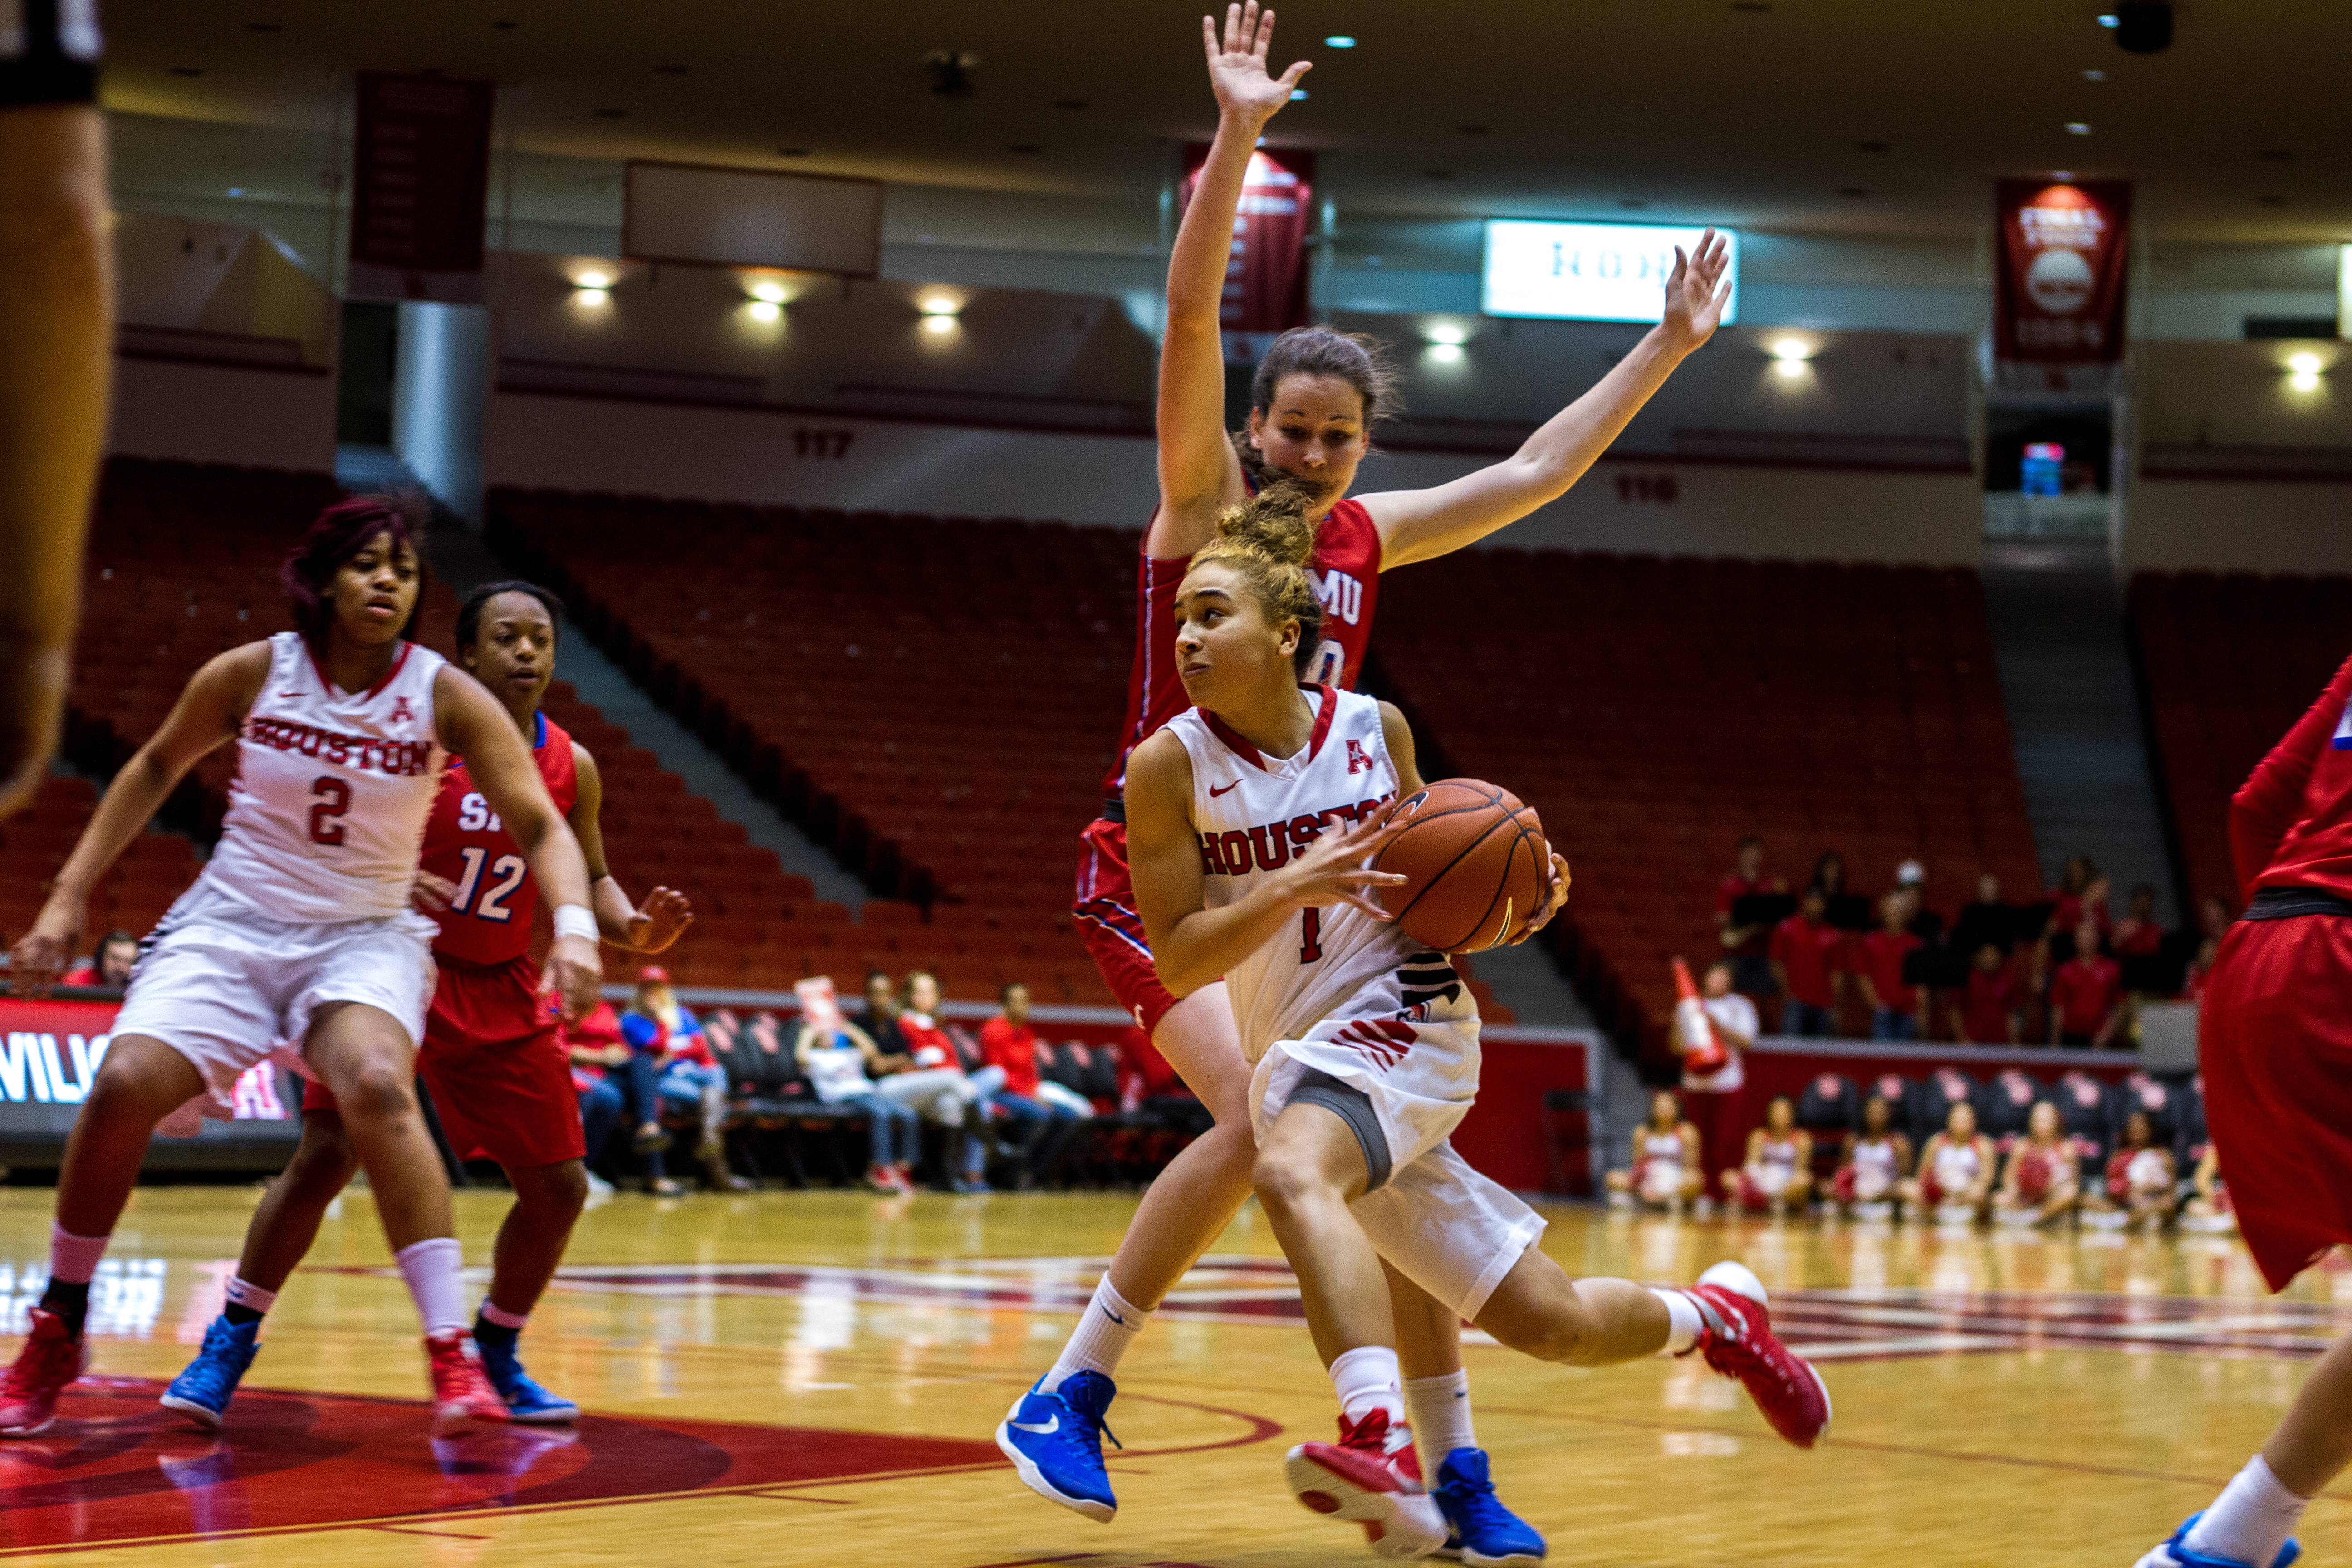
(2075, 714)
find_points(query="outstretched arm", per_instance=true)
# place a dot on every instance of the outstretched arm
(1197, 471)
(1417, 525)
(665, 916)
(207, 713)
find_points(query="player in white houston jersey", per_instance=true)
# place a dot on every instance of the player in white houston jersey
(297, 942)
(1250, 823)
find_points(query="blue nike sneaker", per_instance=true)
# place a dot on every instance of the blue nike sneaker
(1056, 1440)
(526, 1400)
(1479, 1531)
(2175, 1553)
(203, 1390)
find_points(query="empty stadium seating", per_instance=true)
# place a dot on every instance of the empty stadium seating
(132, 896)
(2227, 665)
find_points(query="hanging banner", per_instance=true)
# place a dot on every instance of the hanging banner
(420, 188)
(1265, 281)
(2059, 278)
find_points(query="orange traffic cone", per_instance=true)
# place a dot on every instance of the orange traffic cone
(1702, 1052)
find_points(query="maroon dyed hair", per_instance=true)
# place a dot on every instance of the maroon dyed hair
(337, 534)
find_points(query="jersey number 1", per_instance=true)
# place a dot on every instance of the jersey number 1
(507, 875)
(1310, 932)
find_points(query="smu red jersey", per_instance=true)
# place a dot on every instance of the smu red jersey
(2291, 822)
(488, 917)
(1346, 571)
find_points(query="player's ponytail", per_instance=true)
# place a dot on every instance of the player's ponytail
(1268, 541)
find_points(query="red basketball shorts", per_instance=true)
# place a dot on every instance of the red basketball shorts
(1104, 913)
(497, 1069)
(2274, 1040)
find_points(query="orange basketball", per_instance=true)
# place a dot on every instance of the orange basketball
(1478, 867)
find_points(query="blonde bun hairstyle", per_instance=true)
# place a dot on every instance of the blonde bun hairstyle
(1268, 541)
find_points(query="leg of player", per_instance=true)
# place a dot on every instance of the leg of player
(2251, 1524)
(283, 1225)
(366, 1059)
(1310, 1165)
(1053, 1433)
(142, 1081)
(1478, 1528)
(1539, 1311)
(531, 1239)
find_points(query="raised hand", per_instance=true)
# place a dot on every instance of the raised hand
(661, 920)
(573, 974)
(1237, 71)
(430, 894)
(1552, 905)
(1332, 869)
(1696, 293)
(42, 953)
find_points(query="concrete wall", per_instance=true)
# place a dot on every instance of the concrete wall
(2239, 525)
(257, 417)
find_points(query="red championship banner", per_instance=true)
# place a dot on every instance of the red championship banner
(1265, 281)
(420, 186)
(2059, 289)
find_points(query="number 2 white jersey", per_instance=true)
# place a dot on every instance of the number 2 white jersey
(327, 813)
(1253, 812)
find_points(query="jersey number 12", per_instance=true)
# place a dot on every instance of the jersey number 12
(506, 876)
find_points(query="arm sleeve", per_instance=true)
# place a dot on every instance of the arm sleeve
(49, 52)
(2271, 800)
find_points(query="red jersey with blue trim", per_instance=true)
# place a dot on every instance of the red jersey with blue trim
(1346, 572)
(2291, 822)
(488, 917)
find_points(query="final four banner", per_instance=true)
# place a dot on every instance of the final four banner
(420, 179)
(1265, 281)
(2059, 275)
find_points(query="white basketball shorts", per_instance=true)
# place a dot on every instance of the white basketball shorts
(229, 988)
(1447, 1228)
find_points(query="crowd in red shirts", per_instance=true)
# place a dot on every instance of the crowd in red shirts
(2060, 970)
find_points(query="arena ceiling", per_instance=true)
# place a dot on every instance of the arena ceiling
(1851, 116)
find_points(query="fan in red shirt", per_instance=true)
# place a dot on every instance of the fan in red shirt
(1985, 1011)
(1808, 956)
(1745, 947)
(2086, 994)
(2139, 934)
(2275, 1044)
(1895, 1004)
(1007, 1042)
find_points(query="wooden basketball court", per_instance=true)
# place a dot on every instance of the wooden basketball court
(813, 1378)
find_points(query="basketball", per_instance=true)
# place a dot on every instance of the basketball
(1478, 865)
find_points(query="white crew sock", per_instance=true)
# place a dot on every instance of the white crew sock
(431, 1269)
(1366, 1379)
(1107, 1328)
(2250, 1520)
(1440, 1409)
(494, 1313)
(74, 1258)
(1683, 1322)
(244, 1292)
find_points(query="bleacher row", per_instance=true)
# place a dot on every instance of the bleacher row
(2091, 1110)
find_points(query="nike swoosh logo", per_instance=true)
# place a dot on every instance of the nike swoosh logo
(1213, 792)
(1043, 1429)
(1115, 1317)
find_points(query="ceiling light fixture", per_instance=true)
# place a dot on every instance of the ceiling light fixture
(1338, 41)
(592, 279)
(767, 292)
(767, 312)
(2305, 363)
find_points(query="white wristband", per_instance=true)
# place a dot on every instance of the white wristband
(576, 920)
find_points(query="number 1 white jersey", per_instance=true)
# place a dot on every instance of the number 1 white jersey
(1253, 812)
(326, 815)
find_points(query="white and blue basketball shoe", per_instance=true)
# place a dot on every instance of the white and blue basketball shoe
(526, 1400)
(204, 1387)
(2175, 1553)
(1054, 1441)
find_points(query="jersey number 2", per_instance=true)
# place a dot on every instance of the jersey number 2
(334, 799)
(1310, 932)
(505, 875)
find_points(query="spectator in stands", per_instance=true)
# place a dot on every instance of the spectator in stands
(110, 965)
(914, 1064)
(1897, 1004)
(1745, 944)
(667, 1038)
(1664, 1172)
(2213, 919)
(597, 1052)
(1008, 1042)
(1985, 920)
(2142, 1185)
(2040, 1184)
(1777, 1176)
(1911, 881)
(934, 1048)
(879, 1017)
(1985, 1012)
(2208, 1209)
(2137, 934)
(1956, 1169)
(836, 1056)
(2087, 1006)
(1846, 910)
(1808, 958)
(1876, 1164)
(1714, 1101)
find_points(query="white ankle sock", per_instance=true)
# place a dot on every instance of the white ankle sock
(431, 1269)
(1440, 1409)
(1683, 1321)
(244, 1292)
(1366, 1379)
(2250, 1520)
(494, 1313)
(1107, 1328)
(74, 1258)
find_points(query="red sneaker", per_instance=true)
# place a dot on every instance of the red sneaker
(1371, 1477)
(49, 1360)
(1739, 1342)
(462, 1394)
